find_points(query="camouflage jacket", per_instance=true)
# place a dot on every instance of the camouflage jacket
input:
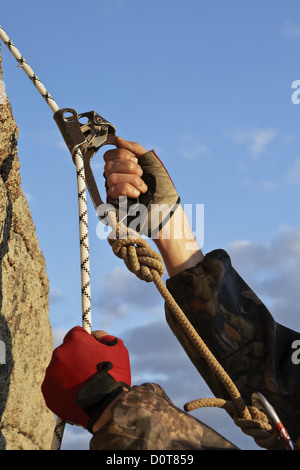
(144, 418)
(239, 330)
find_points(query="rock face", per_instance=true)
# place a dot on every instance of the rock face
(26, 341)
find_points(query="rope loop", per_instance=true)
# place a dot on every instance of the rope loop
(136, 253)
(257, 425)
(260, 429)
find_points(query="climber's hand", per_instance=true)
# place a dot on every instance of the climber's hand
(151, 197)
(122, 170)
(84, 372)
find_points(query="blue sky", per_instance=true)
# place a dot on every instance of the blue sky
(208, 85)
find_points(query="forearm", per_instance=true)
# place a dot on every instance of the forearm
(177, 244)
(144, 418)
(241, 333)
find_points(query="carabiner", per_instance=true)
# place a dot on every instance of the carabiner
(261, 403)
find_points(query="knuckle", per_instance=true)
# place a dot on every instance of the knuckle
(109, 154)
(125, 154)
(107, 168)
(131, 166)
(135, 168)
(137, 181)
(112, 179)
(125, 189)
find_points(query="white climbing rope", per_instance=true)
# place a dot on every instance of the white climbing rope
(28, 70)
(85, 273)
(83, 217)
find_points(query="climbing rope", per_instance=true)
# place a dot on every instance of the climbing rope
(139, 258)
(147, 265)
(83, 216)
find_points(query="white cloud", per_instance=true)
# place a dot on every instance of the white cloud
(49, 138)
(256, 140)
(268, 185)
(55, 295)
(58, 336)
(75, 438)
(194, 151)
(193, 148)
(272, 270)
(290, 30)
(28, 196)
(121, 295)
(292, 175)
(264, 185)
(97, 165)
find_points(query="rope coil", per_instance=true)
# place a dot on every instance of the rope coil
(147, 265)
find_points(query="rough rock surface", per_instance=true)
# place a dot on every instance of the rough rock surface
(26, 341)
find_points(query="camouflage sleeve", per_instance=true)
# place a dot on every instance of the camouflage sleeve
(144, 418)
(239, 330)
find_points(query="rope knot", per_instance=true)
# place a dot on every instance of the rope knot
(137, 255)
(259, 427)
(250, 420)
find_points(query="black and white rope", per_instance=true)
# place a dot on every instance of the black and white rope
(28, 70)
(84, 243)
(83, 217)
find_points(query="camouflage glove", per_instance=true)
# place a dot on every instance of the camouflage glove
(148, 213)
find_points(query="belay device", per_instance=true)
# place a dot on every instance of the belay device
(89, 137)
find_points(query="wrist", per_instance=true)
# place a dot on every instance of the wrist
(105, 414)
(100, 409)
(177, 244)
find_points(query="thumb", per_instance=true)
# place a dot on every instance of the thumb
(133, 147)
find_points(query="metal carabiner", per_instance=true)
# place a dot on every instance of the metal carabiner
(89, 137)
(262, 404)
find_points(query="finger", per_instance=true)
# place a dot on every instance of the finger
(123, 189)
(115, 179)
(122, 166)
(119, 154)
(134, 147)
(99, 333)
(125, 185)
